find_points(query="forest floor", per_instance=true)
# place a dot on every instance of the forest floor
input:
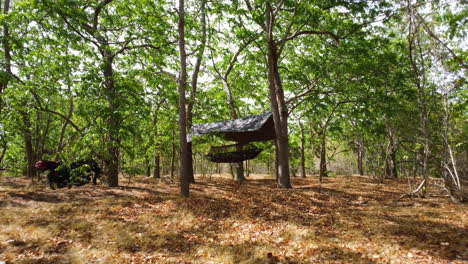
(342, 220)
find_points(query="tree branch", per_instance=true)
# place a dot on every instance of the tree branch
(127, 47)
(310, 32)
(41, 108)
(233, 60)
(97, 11)
(429, 31)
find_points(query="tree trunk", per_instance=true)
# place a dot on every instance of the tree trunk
(323, 157)
(190, 162)
(415, 165)
(247, 168)
(419, 78)
(278, 103)
(193, 92)
(390, 155)
(359, 155)
(269, 165)
(359, 162)
(276, 161)
(63, 130)
(157, 166)
(6, 52)
(239, 175)
(301, 130)
(449, 163)
(29, 149)
(157, 154)
(4, 149)
(394, 163)
(184, 163)
(173, 160)
(232, 106)
(387, 169)
(6, 47)
(148, 167)
(173, 154)
(313, 150)
(113, 121)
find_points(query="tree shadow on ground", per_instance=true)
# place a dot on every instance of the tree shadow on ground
(333, 254)
(37, 197)
(11, 184)
(256, 204)
(213, 202)
(11, 204)
(411, 233)
(438, 239)
(20, 251)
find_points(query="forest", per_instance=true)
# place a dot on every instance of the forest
(242, 131)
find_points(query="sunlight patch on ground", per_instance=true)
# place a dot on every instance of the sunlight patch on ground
(342, 220)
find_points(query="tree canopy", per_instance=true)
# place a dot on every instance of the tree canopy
(354, 87)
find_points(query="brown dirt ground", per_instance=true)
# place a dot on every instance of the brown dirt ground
(342, 220)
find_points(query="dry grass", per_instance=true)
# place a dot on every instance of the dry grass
(343, 220)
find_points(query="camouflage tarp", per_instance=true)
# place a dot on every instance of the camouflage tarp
(251, 128)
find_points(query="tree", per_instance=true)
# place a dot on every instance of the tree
(194, 84)
(184, 152)
(97, 28)
(224, 78)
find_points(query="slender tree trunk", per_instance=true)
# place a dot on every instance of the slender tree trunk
(37, 133)
(184, 163)
(323, 156)
(394, 163)
(312, 149)
(301, 130)
(359, 162)
(193, 91)
(276, 161)
(449, 163)
(388, 169)
(278, 104)
(157, 166)
(173, 160)
(29, 146)
(148, 166)
(247, 168)
(164, 166)
(190, 162)
(173, 156)
(269, 165)
(6, 49)
(63, 130)
(157, 153)
(6, 53)
(239, 176)
(415, 166)
(419, 77)
(391, 164)
(40, 142)
(113, 121)
(232, 106)
(359, 155)
(4, 149)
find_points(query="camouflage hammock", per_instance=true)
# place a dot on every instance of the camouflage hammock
(243, 130)
(233, 153)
